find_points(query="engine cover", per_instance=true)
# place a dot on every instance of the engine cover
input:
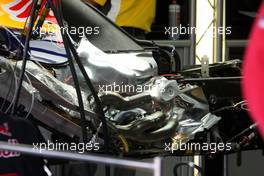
(119, 69)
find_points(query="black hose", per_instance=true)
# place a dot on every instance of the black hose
(71, 51)
(92, 89)
(99, 107)
(73, 71)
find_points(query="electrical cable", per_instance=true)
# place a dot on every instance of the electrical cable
(14, 68)
(25, 55)
(11, 85)
(13, 80)
(14, 71)
(32, 98)
(15, 37)
(16, 86)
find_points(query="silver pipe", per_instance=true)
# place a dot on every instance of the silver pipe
(28, 149)
(219, 37)
(187, 43)
(177, 43)
(214, 78)
(193, 34)
(225, 165)
(236, 43)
